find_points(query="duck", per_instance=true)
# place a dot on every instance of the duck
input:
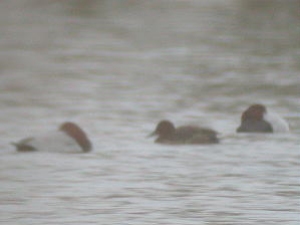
(257, 119)
(68, 137)
(168, 134)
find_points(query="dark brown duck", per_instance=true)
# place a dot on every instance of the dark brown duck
(168, 134)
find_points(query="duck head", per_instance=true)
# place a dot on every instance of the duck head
(164, 129)
(75, 132)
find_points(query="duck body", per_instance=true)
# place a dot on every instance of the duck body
(253, 126)
(168, 134)
(256, 119)
(68, 138)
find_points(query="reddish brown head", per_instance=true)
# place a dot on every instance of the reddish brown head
(78, 134)
(164, 128)
(254, 112)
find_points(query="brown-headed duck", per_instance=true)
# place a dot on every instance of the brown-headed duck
(257, 119)
(69, 137)
(168, 134)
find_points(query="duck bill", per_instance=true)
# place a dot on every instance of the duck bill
(151, 134)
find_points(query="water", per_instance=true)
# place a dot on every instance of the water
(117, 68)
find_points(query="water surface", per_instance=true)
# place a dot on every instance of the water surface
(117, 68)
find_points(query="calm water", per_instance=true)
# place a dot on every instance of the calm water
(117, 68)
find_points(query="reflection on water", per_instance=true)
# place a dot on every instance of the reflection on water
(117, 68)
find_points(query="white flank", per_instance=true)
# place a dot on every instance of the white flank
(55, 141)
(278, 123)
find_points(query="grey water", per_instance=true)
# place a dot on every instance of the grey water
(117, 68)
